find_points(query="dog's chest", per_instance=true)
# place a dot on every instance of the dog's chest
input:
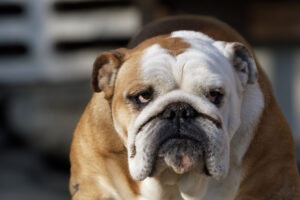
(153, 189)
(225, 189)
(192, 188)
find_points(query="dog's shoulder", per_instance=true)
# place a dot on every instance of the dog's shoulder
(98, 156)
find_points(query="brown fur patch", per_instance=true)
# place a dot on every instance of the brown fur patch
(175, 46)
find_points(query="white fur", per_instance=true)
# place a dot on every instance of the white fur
(252, 107)
(171, 186)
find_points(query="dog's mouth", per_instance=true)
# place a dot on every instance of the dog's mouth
(193, 146)
(182, 154)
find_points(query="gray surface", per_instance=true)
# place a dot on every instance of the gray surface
(46, 115)
(24, 175)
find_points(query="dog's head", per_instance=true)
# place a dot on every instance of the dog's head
(176, 101)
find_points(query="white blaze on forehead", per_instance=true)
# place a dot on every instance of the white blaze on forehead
(201, 65)
(204, 70)
(159, 67)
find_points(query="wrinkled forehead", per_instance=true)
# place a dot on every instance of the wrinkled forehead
(185, 59)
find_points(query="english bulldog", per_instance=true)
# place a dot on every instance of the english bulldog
(184, 113)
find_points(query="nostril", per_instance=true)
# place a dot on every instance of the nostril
(168, 114)
(188, 113)
(184, 114)
(179, 110)
(191, 113)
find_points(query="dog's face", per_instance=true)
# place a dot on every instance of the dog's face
(176, 101)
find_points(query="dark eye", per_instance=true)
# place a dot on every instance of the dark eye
(142, 98)
(215, 97)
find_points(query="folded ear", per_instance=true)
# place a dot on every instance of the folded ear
(105, 71)
(241, 59)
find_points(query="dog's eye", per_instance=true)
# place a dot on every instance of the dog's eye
(141, 98)
(144, 97)
(215, 97)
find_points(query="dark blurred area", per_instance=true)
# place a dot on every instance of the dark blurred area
(47, 48)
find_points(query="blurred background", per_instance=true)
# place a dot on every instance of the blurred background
(47, 48)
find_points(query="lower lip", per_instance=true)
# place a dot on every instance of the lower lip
(189, 141)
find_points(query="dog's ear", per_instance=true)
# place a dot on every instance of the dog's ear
(241, 59)
(105, 71)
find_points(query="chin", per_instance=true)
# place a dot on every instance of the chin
(180, 155)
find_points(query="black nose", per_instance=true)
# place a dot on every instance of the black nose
(179, 111)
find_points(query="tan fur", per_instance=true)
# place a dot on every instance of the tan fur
(99, 156)
(95, 148)
(270, 165)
